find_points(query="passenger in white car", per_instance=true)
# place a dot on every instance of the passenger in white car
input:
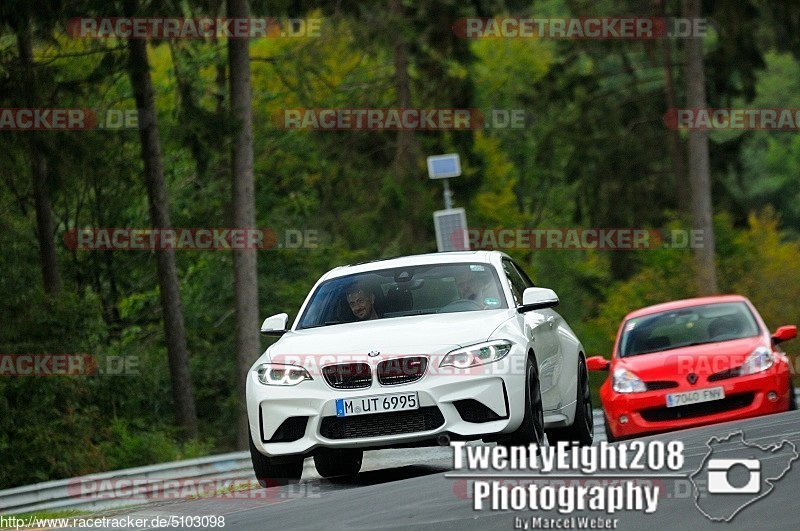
(478, 288)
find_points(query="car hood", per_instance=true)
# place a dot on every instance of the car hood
(419, 334)
(699, 359)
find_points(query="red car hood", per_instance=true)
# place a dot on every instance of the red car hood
(700, 359)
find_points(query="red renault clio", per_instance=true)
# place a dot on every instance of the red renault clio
(693, 362)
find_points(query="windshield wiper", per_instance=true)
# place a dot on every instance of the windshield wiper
(320, 325)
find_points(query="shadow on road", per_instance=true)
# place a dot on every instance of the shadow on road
(384, 475)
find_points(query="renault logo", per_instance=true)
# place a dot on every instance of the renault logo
(692, 378)
(373, 353)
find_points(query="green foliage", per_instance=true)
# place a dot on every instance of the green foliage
(668, 275)
(768, 162)
(132, 444)
(767, 271)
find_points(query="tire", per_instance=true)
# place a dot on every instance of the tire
(531, 431)
(338, 465)
(271, 474)
(792, 396)
(581, 432)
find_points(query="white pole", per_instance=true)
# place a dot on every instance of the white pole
(448, 195)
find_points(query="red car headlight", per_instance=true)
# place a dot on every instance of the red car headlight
(624, 381)
(759, 360)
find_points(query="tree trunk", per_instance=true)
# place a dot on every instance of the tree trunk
(174, 330)
(675, 147)
(187, 109)
(45, 223)
(699, 167)
(404, 152)
(220, 78)
(244, 215)
(406, 149)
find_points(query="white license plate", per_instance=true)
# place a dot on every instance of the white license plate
(695, 397)
(365, 405)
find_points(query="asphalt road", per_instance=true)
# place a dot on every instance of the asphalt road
(409, 489)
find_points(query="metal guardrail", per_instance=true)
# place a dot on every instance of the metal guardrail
(163, 479)
(65, 493)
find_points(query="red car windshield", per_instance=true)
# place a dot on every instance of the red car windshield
(695, 325)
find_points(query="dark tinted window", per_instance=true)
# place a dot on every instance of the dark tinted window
(516, 280)
(400, 292)
(525, 278)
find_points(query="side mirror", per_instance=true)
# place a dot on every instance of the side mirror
(784, 333)
(597, 363)
(275, 325)
(537, 298)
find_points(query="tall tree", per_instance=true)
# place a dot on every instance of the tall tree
(406, 149)
(174, 328)
(45, 224)
(244, 213)
(682, 195)
(699, 165)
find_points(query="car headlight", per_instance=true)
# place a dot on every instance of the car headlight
(625, 381)
(281, 374)
(760, 360)
(479, 354)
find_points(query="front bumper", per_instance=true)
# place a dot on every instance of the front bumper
(745, 397)
(440, 396)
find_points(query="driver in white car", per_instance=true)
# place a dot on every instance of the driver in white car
(362, 302)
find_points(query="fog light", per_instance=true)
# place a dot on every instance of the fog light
(623, 419)
(772, 395)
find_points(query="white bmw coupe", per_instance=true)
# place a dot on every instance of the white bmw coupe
(415, 351)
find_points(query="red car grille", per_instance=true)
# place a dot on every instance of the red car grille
(729, 403)
(724, 375)
(655, 385)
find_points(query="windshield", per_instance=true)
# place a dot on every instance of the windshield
(399, 292)
(696, 325)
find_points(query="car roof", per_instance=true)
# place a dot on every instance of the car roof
(449, 257)
(684, 303)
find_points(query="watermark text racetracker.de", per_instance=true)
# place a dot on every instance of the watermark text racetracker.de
(191, 239)
(71, 119)
(396, 365)
(580, 28)
(49, 364)
(764, 119)
(599, 239)
(35, 521)
(399, 119)
(489, 467)
(407, 364)
(219, 488)
(192, 28)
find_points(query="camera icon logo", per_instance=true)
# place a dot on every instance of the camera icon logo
(723, 487)
(719, 481)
